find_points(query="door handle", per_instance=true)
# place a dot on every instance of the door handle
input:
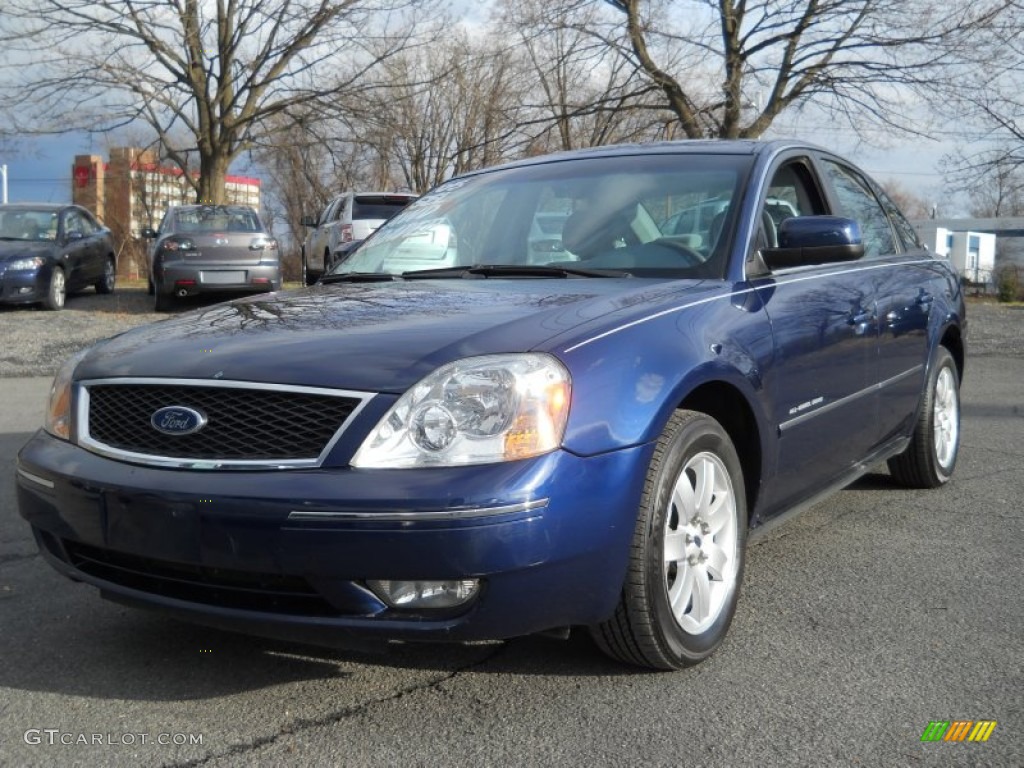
(861, 316)
(860, 319)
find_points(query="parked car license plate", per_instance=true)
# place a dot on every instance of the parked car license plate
(223, 277)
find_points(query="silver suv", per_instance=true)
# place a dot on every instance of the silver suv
(347, 219)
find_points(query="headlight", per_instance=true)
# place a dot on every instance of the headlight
(474, 411)
(58, 412)
(31, 263)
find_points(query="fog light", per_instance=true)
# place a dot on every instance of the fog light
(425, 594)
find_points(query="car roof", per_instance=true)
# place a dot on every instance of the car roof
(751, 147)
(52, 207)
(374, 194)
(200, 206)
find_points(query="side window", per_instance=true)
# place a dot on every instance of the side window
(72, 224)
(338, 214)
(791, 193)
(857, 201)
(85, 224)
(328, 214)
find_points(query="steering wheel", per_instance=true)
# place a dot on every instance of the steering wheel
(692, 256)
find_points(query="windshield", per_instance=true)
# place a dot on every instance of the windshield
(630, 214)
(28, 224)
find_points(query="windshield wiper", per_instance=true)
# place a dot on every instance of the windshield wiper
(510, 270)
(359, 277)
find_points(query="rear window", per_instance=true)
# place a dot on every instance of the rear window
(377, 207)
(216, 220)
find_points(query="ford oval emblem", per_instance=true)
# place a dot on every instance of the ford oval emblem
(178, 420)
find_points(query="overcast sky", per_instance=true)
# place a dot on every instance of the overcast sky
(40, 168)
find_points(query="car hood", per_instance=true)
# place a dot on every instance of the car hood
(380, 337)
(18, 249)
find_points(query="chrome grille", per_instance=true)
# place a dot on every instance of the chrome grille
(246, 424)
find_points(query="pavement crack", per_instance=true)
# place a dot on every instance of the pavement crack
(332, 718)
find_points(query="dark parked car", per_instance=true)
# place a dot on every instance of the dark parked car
(48, 251)
(211, 248)
(447, 440)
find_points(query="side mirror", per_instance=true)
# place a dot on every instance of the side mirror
(70, 236)
(148, 233)
(809, 240)
(308, 221)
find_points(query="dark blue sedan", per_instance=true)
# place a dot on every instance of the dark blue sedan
(48, 251)
(457, 436)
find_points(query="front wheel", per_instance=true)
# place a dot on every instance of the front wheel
(57, 292)
(929, 459)
(687, 557)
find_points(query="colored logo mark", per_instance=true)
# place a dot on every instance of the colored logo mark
(958, 730)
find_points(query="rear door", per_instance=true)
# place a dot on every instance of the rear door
(318, 252)
(825, 329)
(81, 263)
(903, 276)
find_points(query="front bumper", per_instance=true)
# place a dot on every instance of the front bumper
(23, 286)
(287, 553)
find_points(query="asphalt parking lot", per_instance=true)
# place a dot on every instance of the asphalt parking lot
(860, 622)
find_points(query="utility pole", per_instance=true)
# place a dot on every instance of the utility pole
(3, 173)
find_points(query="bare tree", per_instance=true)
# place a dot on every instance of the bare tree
(443, 110)
(729, 68)
(215, 71)
(308, 159)
(912, 205)
(991, 98)
(584, 94)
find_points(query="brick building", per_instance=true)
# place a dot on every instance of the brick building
(131, 191)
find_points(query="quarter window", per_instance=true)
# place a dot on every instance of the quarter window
(904, 231)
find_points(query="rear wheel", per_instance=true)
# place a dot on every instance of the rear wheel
(929, 460)
(57, 292)
(687, 556)
(162, 302)
(106, 283)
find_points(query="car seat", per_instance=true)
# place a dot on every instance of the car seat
(587, 234)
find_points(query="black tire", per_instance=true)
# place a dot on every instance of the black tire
(928, 461)
(162, 302)
(106, 283)
(56, 291)
(645, 629)
(149, 286)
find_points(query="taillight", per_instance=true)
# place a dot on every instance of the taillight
(262, 243)
(346, 233)
(178, 244)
